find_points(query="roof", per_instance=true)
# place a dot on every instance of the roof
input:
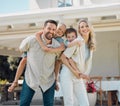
(15, 27)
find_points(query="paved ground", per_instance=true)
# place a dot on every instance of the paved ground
(31, 105)
(58, 102)
(42, 105)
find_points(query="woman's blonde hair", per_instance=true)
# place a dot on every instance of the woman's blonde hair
(91, 40)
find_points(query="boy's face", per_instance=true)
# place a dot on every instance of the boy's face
(71, 36)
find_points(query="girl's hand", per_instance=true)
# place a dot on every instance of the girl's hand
(38, 34)
(45, 48)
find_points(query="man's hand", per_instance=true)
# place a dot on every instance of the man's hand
(13, 86)
(57, 86)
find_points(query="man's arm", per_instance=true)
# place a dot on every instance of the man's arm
(58, 64)
(25, 44)
(19, 72)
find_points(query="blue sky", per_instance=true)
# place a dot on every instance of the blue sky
(13, 6)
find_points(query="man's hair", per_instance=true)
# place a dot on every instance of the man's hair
(70, 30)
(50, 21)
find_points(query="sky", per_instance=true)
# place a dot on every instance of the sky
(13, 6)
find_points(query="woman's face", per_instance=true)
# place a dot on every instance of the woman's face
(84, 29)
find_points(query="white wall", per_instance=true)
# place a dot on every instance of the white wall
(42, 4)
(106, 58)
(104, 1)
(33, 5)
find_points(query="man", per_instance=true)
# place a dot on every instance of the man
(40, 66)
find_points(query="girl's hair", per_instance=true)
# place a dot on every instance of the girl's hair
(91, 40)
(70, 30)
(60, 24)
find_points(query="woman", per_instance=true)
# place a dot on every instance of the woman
(85, 29)
(82, 58)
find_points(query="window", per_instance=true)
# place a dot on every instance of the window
(65, 3)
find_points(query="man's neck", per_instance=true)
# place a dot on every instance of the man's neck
(46, 40)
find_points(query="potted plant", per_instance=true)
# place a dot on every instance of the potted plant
(92, 95)
(2, 83)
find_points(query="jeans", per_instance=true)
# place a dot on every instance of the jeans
(27, 94)
(48, 96)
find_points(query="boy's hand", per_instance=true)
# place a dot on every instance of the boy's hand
(77, 74)
(78, 43)
(84, 76)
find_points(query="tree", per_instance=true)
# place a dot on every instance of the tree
(8, 67)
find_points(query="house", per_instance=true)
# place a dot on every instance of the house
(104, 16)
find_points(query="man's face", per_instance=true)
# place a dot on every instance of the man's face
(49, 31)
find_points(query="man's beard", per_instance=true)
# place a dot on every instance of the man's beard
(47, 36)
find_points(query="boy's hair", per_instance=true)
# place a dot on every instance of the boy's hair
(70, 30)
(50, 21)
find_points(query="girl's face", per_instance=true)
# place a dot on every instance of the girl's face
(60, 31)
(71, 36)
(84, 29)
